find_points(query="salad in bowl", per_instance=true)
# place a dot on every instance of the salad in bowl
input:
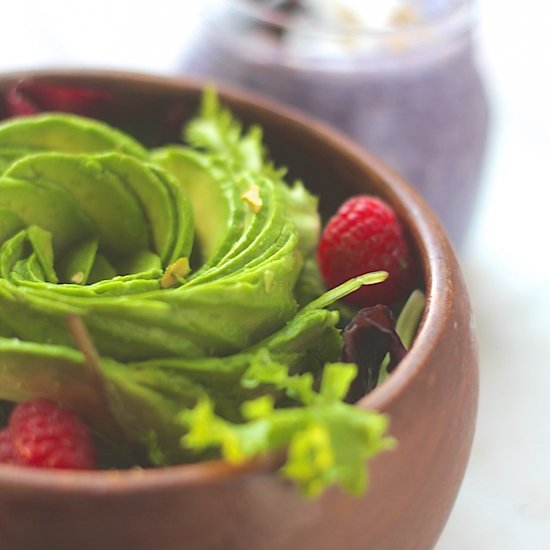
(175, 301)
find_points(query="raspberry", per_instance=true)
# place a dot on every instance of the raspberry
(364, 236)
(42, 434)
(6, 449)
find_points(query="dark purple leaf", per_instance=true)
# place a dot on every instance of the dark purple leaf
(367, 339)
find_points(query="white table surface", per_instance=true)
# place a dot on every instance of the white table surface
(505, 499)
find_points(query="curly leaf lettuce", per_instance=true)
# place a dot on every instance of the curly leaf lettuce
(328, 441)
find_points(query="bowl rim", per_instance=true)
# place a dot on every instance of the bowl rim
(427, 234)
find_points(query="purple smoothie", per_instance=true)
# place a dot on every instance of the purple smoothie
(412, 96)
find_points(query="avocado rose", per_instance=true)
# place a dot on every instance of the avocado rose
(188, 269)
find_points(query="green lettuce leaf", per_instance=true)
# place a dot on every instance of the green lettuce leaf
(406, 326)
(217, 130)
(328, 441)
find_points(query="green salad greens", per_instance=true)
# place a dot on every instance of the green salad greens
(167, 297)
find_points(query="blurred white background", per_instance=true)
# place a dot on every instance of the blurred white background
(505, 500)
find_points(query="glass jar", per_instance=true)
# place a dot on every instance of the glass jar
(406, 86)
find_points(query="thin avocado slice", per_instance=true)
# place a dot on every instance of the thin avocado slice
(141, 262)
(28, 269)
(12, 251)
(76, 266)
(145, 404)
(101, 270)
(48, 206)
(41, 242)
(38, 321)
(166, 205)
(211, 199)
(117, 216)
(255, 237)
(29, 370)
(66, 133)
(10, 224)
(8, 155)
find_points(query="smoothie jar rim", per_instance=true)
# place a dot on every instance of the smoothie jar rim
(458, 17)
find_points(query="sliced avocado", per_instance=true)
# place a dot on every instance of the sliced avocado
(29, 370)
(141, 262)
(41, 242)
(13, 250)
(10, 223)
(112, 207)
(76, 266)
(145, 404)
(166, 205)
(28, 269)
(48, 206)
(211, 199)
(33, 318)
(101, 270)
(66, 133)
(255, 238)
(117, 216)
(145, 397)
(8, 155)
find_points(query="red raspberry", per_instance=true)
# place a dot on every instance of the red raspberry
(362, 237)
(42, 434)
(6, 449)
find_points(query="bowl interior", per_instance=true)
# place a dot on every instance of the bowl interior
(329, 164)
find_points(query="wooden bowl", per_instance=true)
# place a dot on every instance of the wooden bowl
(431, 398)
